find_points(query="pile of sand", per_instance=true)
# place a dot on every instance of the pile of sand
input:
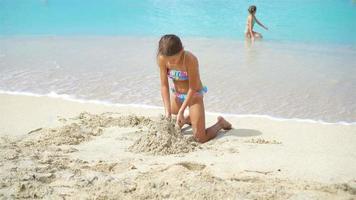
(82, 128)
(163, 138)
(39, 165)
(158, 137)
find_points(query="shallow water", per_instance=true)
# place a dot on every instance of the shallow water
(286, 80)
(105, 50)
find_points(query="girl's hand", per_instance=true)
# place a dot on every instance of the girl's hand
(168, 115)
(180, 119)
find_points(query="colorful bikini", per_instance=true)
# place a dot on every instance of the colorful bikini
(177, 75)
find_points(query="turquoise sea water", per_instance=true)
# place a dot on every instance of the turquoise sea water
(325, 21)
(105, 51)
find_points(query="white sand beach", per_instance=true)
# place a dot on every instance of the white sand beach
(53, 148)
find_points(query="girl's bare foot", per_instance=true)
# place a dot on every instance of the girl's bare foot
(224, 124)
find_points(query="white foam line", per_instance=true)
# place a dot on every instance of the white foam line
(67, 97)
(106, 103)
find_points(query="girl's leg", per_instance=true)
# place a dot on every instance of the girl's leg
(175, 106)
(197, 117)
(257, 35)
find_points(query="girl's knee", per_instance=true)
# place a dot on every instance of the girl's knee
(258, 35)
(200, 136)
(201, 139)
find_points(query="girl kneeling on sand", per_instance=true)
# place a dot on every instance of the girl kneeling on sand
(188, 91)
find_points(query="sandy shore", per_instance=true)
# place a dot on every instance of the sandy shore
(52, 148)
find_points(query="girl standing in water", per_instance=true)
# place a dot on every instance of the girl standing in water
(251, 20)
(188, 91)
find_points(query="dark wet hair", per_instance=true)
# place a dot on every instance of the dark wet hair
(252, 9)
(169, 45)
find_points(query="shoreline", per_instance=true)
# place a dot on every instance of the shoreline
(324, 45)
(66, 97)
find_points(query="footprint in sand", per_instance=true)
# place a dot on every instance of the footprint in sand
(192, 166)
(113, 167)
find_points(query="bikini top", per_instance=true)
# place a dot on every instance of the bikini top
(178, 75)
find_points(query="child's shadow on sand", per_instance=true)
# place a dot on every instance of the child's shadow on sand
(240, 132)
(233, 132)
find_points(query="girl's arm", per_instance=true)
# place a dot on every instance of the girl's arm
(194, 82)
(259, 23)
(164, 87)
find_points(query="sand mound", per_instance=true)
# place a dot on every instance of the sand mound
(159, 137)
(81, 128)
(163, 138)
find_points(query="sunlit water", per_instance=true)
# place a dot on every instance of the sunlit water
(105, 50)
